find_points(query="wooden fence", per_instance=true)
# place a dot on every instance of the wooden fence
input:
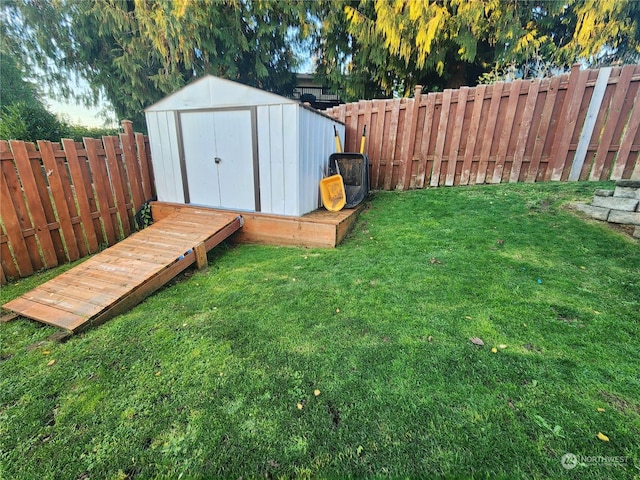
(578, 126)
(59, 204)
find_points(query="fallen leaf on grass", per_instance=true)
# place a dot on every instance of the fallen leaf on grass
(429, 338)
(51, 363)
(299, 406)
(494, 350)
(46, 352)
(602, 436)
(476, 341)
(502, 346)
(158, 373)
(316, 392)
(467, 317)
(600, 409)
(434, 260)
(500, 241)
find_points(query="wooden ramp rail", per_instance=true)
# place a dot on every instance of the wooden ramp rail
(113, 281)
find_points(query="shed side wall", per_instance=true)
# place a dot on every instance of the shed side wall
(316, 144)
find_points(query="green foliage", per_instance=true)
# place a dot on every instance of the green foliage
(78, 132)
(13, 86)
(30, 122)
(139, 51)
(400, 43)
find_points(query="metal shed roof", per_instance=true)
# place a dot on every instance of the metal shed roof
(214, 92)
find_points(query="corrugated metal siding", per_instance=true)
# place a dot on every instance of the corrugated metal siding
(291, 164)
(316, 144)
(165, 156)
(271, 159)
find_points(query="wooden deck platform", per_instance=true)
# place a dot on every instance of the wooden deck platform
(319, 228)
(120, 277)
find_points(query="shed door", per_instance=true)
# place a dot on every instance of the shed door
(218, 158)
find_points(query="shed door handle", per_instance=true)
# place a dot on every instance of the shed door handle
(217, 159)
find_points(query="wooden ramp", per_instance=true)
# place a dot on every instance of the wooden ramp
(120, 277)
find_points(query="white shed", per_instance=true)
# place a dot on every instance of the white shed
(221, 144)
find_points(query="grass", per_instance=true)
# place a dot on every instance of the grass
(216, 375)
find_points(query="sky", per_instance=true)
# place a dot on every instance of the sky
(78, 114)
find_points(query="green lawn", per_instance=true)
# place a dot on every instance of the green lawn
(217, 374)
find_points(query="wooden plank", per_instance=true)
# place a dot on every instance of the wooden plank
(145, 173)
(13, 228)
(147, 288)
(489, 131)
(34, 202)
(39, 174)
(567, 123)
(524, 130)
(391, 142)
(589, 124)
(83, 192)
(7, 262)
(201, 256)
(378, 143)
(543, 129)
(631, 130)
(60, 199)
(454, 147)
(70, 200)
(102, 189)
(46, 314)
(134, 174)
(441, 138)
(118, 183)
(409, 139)
(474, 126)
(426, 139)
(617, 102)
(507, 131)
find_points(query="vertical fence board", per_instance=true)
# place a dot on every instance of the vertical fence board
(118, 181)
(7, 262)
(543, 129)
(490, 125)
(134, 184)
(568, 121)
(507, 129)
(146, 175)
(102, 187)
(426, 138)
(59, 198)
(391, 144)
(441, 138)
(34, 202)
(612, 120)
(478, 101)
(408, 138)
(82, 194)
(16, 200)
(523, 133)
(378, 140)
(454, 147)
(40, 175)
(14, 227)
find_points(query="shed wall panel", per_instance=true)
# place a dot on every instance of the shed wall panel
(316, 144)
(290, 141)
(165, 156)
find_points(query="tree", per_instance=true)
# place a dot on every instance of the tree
(137, 51)
(448, 43)
(14, 87)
